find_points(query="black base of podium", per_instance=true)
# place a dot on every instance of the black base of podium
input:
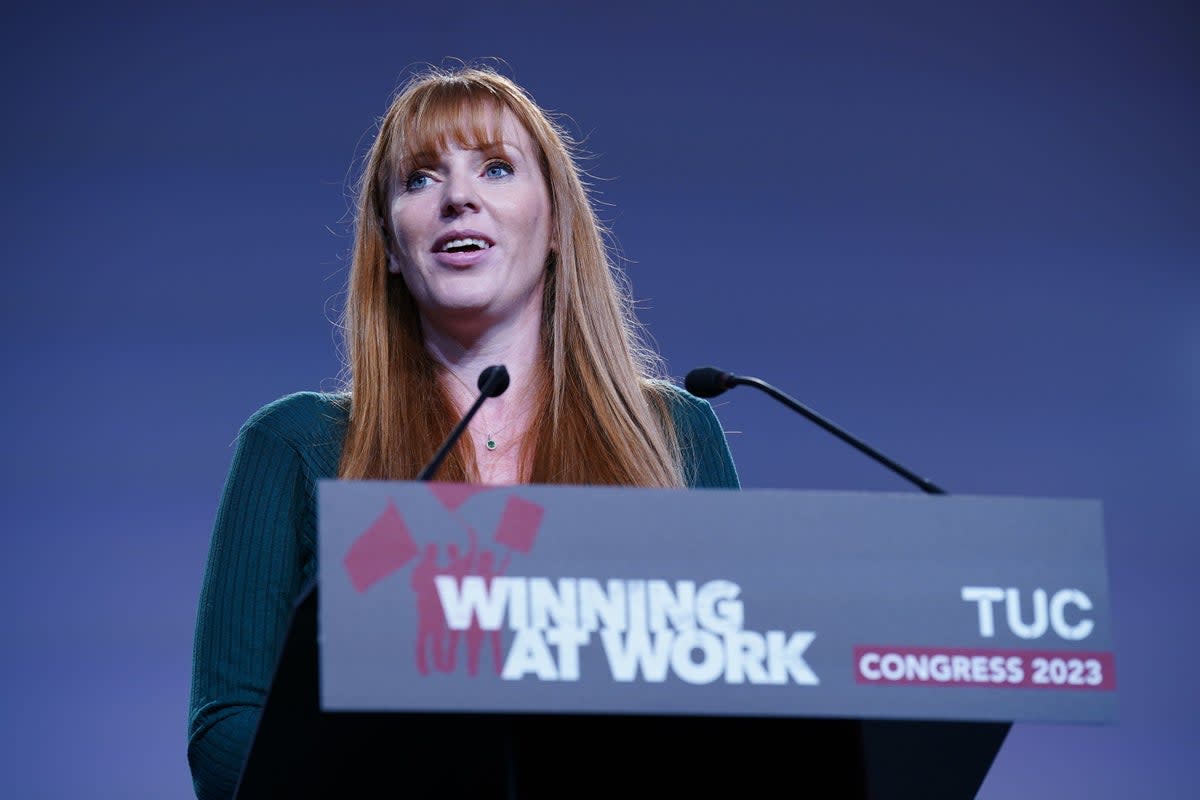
(300, 752)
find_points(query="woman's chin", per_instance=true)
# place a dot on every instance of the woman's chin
(465, 308)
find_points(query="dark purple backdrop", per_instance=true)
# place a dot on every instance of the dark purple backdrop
(968, 232)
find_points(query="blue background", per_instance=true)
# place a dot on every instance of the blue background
(967, 232)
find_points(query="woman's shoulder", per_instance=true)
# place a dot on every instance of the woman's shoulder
(707, 461)
(684, 406)
(303, 417)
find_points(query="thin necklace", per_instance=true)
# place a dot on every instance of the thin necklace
(490, 443)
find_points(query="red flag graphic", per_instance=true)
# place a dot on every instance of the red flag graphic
(382, 549)
(519, 524)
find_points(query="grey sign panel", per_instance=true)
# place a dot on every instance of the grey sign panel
(452, 598)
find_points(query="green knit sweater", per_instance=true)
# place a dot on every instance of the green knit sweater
(264, 549)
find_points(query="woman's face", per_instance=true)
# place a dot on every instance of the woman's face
(472, 231)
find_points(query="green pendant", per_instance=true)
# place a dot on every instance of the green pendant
(491, 443)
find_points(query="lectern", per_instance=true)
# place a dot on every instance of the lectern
(550, 641)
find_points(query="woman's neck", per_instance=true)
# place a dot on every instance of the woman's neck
(498, 427)
(517, 344)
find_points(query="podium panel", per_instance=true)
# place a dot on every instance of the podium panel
(538, 641)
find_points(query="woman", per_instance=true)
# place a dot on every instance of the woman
(475, 245)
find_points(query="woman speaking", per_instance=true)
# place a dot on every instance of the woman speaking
(475, 244)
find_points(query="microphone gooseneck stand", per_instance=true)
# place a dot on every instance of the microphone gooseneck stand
(492, 383)
(709, 382)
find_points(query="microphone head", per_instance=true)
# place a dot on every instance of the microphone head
(707, 381)
(493, 380)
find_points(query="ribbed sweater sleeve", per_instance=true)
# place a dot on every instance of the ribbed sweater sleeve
(262, 549)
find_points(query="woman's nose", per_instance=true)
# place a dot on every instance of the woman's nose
(460, 195)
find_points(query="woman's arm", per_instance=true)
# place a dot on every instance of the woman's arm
(252, 578)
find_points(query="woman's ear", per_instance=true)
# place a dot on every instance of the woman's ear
(393, 263)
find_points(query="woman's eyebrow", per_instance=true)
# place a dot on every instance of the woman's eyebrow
(502, 144)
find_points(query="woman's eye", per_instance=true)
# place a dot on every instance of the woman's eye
(498, 169)
(418, 180)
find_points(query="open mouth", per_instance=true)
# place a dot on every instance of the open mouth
(470, 245)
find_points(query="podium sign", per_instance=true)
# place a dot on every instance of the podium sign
(590, 600)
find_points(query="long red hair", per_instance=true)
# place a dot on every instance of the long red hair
(600, 414)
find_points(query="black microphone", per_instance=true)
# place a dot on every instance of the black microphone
(710, 382)
(492, 383)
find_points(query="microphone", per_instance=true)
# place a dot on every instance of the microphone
(709, 382)
(492, 383)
